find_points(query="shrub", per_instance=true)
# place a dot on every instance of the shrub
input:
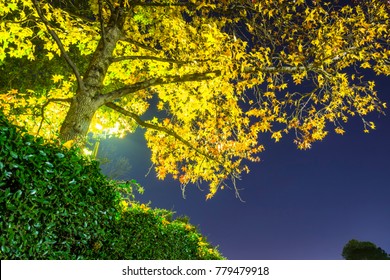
(56, 204)
(147, 233)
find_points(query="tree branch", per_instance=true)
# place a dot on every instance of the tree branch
(119, 93)
(180, 4)
(68, 100)
(102, 28)
(59, 44)
(169, 132)
(149, 57)
(310, 67)
(138, 44)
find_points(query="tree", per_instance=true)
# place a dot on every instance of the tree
(216, 74)
(363, 250)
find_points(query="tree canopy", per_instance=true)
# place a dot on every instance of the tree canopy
(363, 250)
(216, 75)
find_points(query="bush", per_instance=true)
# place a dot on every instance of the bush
(147, 233)
(56, 204)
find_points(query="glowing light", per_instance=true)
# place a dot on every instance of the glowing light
(114, 130)
(87, 152)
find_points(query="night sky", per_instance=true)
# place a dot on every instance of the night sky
(298, 204)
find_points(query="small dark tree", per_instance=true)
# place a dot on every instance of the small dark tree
(363, 250)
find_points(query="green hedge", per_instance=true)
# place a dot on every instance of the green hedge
(151, 234)
(56, 204)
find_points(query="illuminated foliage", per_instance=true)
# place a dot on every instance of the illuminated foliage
(222, 73)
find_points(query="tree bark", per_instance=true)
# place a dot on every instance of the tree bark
(78, 119)
(86, 101)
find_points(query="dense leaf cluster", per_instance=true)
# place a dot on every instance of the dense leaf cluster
(363, 250)
(152, 234)
(56, 204)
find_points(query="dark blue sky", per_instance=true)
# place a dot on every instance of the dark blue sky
(298, 204)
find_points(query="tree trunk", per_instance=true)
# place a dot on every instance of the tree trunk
(85, 102)
(78, 119)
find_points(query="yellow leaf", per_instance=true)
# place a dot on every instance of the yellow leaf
(339, 130)
(320, 80)
(68, 144)
(283, 86)
(276, 135)
(56, 78)
(50, 55)
(300, 48)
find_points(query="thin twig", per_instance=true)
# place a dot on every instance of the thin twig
(68, 100)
